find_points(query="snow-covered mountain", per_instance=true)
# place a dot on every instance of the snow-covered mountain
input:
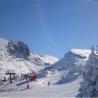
(18, 57)
(46, 60)
(50, 70)
(74, 60)
(49, 59)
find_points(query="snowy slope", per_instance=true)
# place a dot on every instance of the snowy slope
(36, 90)
(81, 52)
(18, 57)
(49, 59)
(63, 78)
(74, 60)
(12, 58)
(42, 60)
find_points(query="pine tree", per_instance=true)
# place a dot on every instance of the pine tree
(89, 85)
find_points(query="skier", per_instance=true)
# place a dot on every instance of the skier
(48, 83)
(28, 87)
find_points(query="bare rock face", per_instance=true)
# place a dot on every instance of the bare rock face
(18, 49)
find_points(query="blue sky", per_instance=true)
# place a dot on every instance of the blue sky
(50, 26)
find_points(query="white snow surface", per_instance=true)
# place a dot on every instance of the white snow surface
(49, 59)
(21, 65)
(62, 83)
(43, 59)
(74, 60)
(81, 52)
(40, 91)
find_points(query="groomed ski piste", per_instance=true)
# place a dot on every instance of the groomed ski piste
(41, 89)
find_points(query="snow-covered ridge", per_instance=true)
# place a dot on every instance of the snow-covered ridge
(3, 42)
(81, 52)
(42, 60)
(74, 60)
(49, 59)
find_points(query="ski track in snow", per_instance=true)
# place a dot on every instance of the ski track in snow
(36, 90)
